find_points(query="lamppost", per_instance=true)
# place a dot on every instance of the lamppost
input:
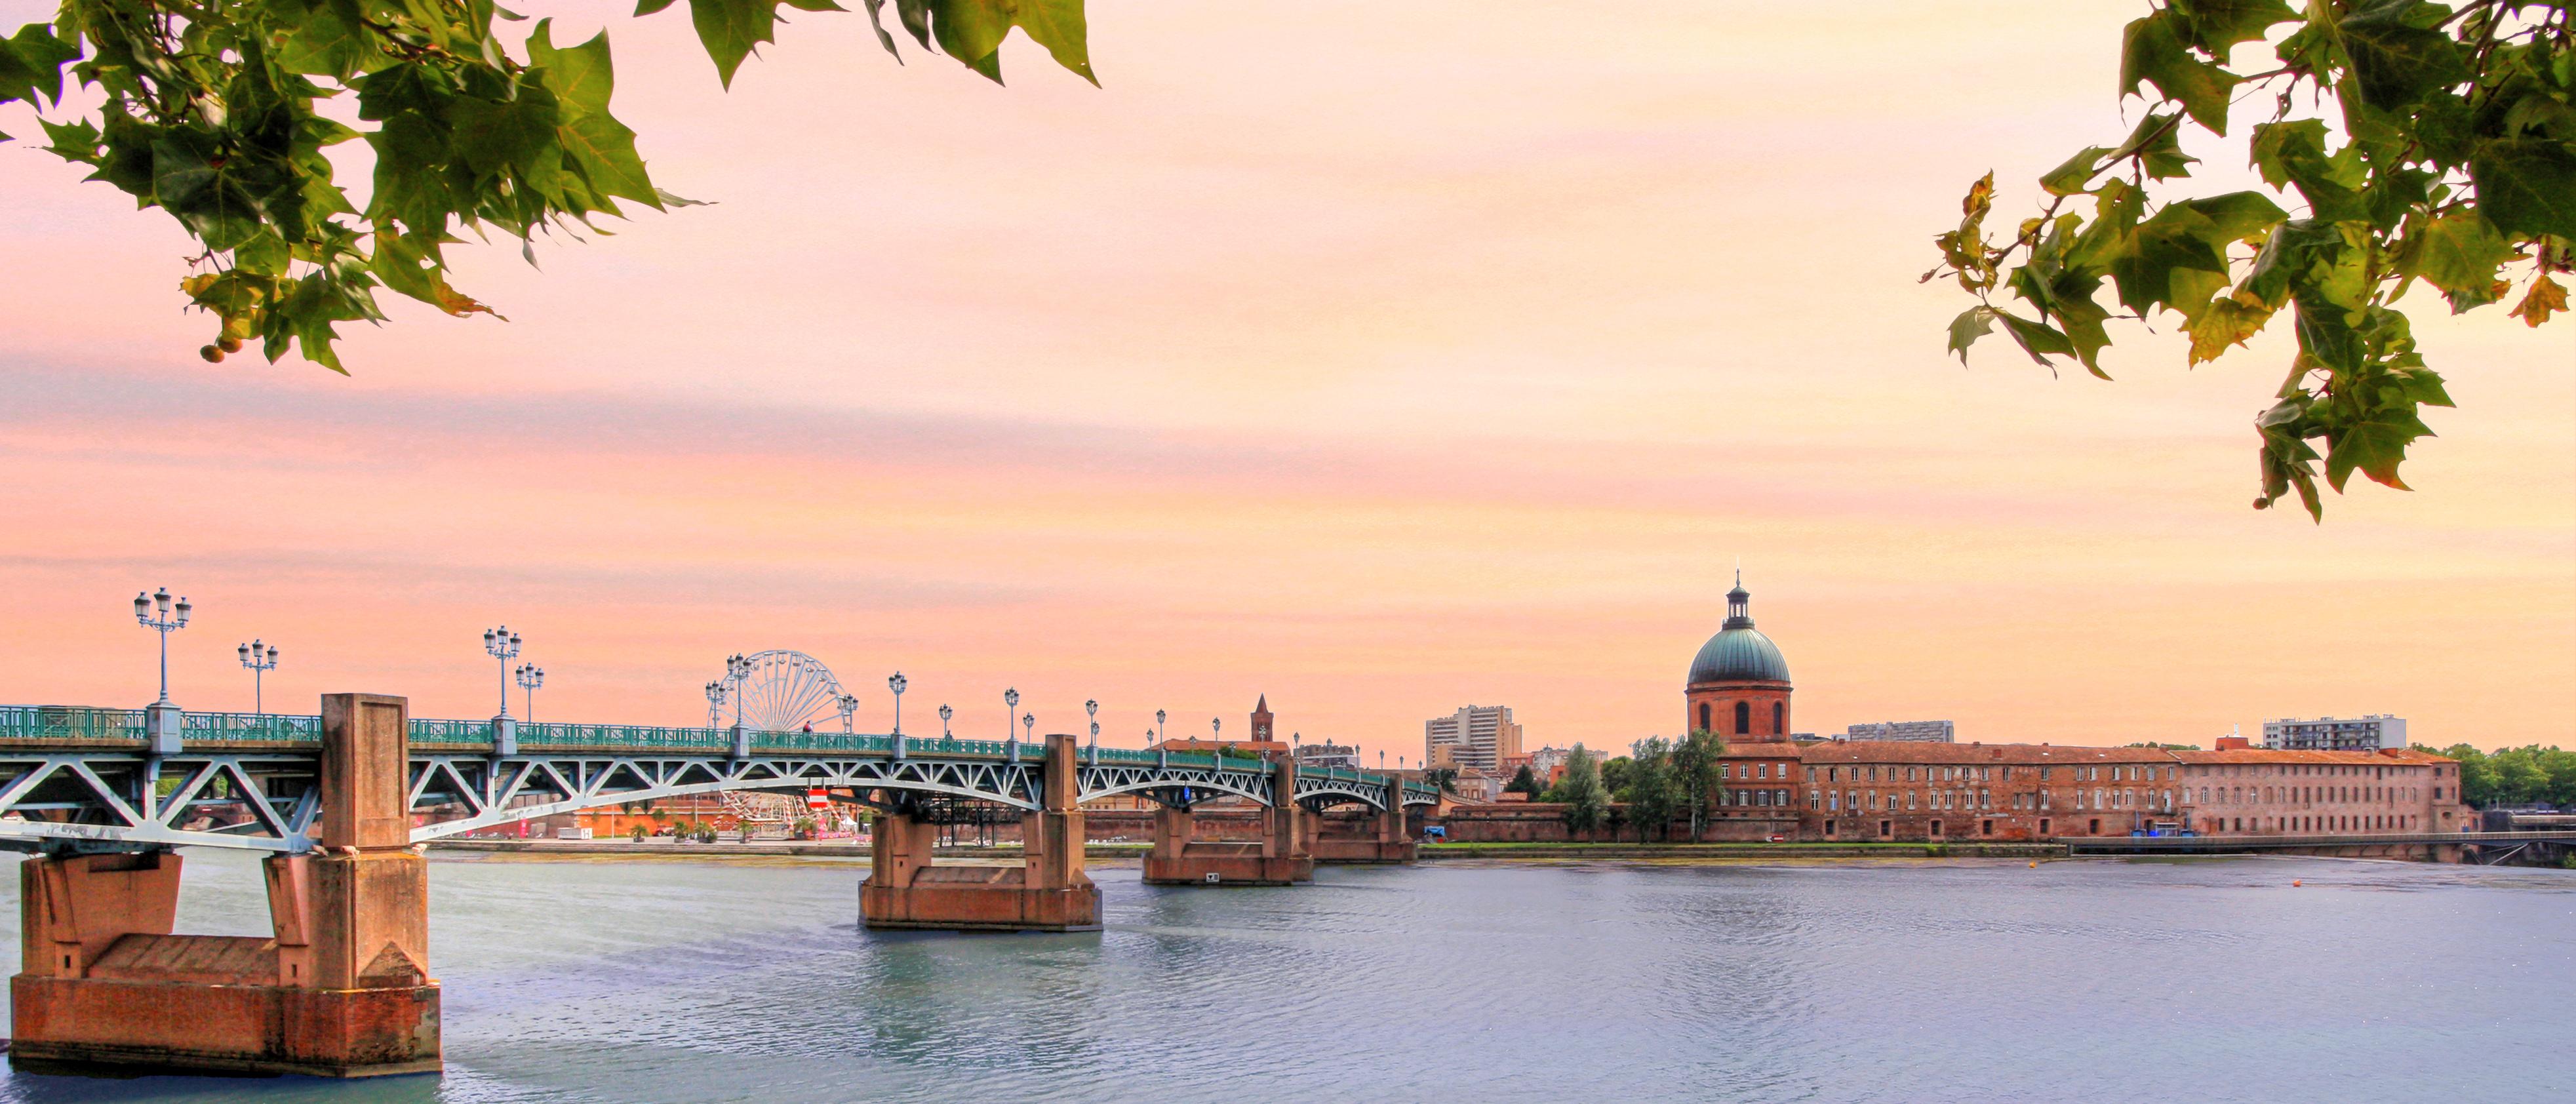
(1162, 748)
(161, 622)
(503, 645)
(1031, 720)
(1093, 707)
(530, 677)
(1216, 730)
(897, 684)
(260, 663)
(944, 714)
(738, 672)
(715, 702)
(849, 706)
(1011, 742)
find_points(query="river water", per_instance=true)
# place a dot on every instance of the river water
(619, 981)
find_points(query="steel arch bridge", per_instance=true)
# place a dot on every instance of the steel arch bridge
(82, 779)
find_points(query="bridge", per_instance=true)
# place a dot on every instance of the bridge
(341, 804)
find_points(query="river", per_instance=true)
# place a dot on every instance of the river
(618, 981)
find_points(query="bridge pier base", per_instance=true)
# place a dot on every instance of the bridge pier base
(1388, 840)
(1046, 891)
(341, 989)
(1278, 858)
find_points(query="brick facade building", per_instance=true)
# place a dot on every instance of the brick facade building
(1770, 785)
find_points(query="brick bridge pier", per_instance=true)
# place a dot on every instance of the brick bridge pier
(1047, 891)
(341, 988)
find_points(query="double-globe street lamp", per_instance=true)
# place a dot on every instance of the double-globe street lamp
(153, 612)
(1011, 742)
(1093, 707)
(896, 684)
(260, 663)
(530, 677)
(502, 645)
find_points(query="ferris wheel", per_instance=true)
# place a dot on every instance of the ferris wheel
(778, 691)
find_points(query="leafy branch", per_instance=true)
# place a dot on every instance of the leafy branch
(209, 114)
(2439, 145)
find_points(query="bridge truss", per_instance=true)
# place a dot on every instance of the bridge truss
(85, 780)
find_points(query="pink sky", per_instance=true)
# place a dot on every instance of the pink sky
(1378, 358)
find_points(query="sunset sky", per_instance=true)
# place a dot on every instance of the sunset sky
(1381, 358)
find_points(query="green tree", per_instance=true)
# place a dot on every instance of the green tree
(206, 109)
(1523, 782)
(1614, 773)
(1695, 761)
(1442, 777)
(1587, 805)
(2477, 775)
(2422, 141)
(1653, 793)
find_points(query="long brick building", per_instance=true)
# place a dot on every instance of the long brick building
(1771, 785)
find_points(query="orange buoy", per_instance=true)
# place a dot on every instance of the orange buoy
(2295, 883)
(2034, 864)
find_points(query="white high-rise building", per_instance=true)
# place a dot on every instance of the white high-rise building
(2372, 733)
(1476, 736)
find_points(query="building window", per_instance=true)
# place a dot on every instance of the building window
(1886, 828)
(1703, 716)
(1985, 827)
(1829, 827)
(1762, 771)
(1744, 718)
(1779, 717)
(2043, 826)
(1936, 827)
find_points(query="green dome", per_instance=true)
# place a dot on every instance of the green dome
(1739, 652)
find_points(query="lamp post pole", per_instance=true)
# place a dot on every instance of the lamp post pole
(260, 662)
(153, 611)
(503, 645)
(530, 677)
(849, 707)
(1011, 741)
(1031, 720)
(896, 684)
(1093, 707)
(1162, 753)
(738, 672)
(715, 702)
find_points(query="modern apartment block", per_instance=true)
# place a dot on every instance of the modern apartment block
(1929, 732)
(2372, 733)
(1476, 736)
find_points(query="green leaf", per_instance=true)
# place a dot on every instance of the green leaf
(2216, 25)
(2527, 185)
(2458, 253)
(2374, 447)
(2035, 338)
(1971, 324)
(2152, 51)
(2395, 61)
(2236, 217)
(2233, 320)
(2078, 171)
(2157, 144)
(331, 38)
(31, 64)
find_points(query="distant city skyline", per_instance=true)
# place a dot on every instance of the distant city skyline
(1302, 368)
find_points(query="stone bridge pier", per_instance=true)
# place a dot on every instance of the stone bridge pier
(1046, 891)
(340, 989)
(1277, 858)
(1388, 840)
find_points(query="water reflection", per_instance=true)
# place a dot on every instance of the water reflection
(2207, 980)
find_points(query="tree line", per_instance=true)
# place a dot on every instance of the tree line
(2526, 775)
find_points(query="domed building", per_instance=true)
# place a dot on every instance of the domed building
(1739, 685)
